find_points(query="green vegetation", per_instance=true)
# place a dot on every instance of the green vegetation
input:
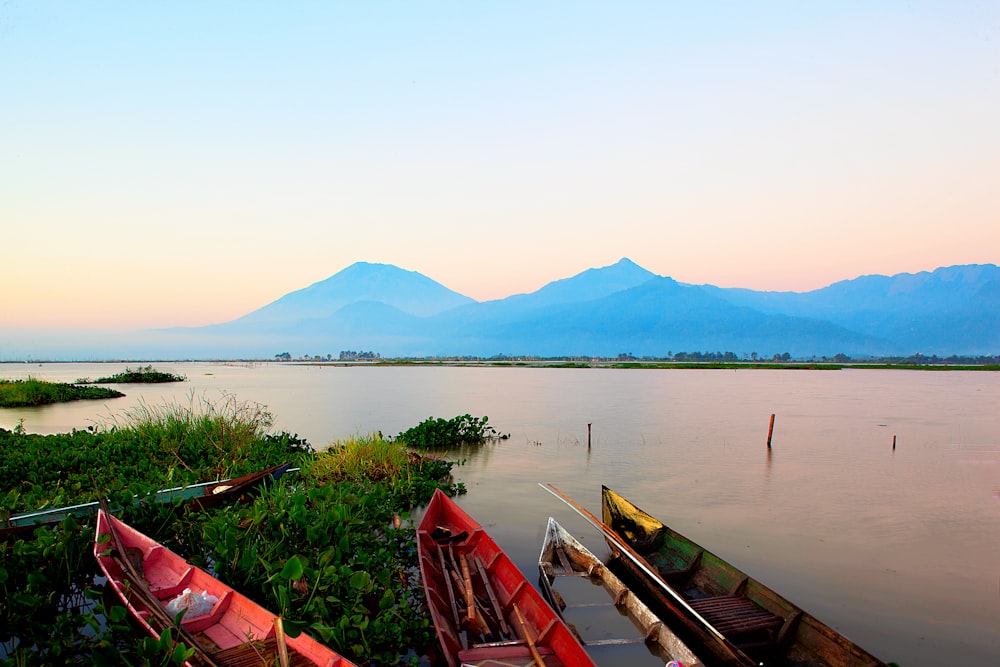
(438, 434)
(329, 548)
(689, 360)
(141, 375)
(31, 392)
(145, 450)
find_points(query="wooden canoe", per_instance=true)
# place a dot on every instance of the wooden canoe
(484, 610)
(562, 556)
(237, 631)
(761, 623)
(203, 495)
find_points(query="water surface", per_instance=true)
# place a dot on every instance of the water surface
(898, 549)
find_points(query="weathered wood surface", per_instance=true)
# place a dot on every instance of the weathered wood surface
(562, 555)
(759, 621)
(477, 598)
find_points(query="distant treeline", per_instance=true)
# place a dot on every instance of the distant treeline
(670, 357)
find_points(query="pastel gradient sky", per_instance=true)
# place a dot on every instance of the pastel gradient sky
(184, 163)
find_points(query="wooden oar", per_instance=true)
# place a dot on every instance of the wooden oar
(681, 608)
(139, 585)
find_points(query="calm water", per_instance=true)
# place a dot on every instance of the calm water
(899, 550)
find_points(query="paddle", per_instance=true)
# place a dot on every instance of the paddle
(682, 608)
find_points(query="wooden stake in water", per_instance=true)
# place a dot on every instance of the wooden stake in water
(588, 435)
(893, 443)
(770, 430)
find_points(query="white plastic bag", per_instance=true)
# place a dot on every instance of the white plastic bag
(197, 604)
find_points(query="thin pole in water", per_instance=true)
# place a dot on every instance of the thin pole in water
(770, 430)
(588, 435)
(894, 443)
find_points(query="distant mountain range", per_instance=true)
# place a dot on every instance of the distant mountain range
(617, 309)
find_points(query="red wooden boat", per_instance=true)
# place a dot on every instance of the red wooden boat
(233, 631)
(485, 611)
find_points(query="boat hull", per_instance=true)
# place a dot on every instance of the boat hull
(761, 623)
(511, 624)
(562, 556)
(203, 496)
(234, 627)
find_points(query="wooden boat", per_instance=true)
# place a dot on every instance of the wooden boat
(235, 632)
(760, 623)
(564, 556)
(484, 610)
(203, 495)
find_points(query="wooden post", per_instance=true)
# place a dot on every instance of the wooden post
(588, 435)
(893, 443)
(770, 430)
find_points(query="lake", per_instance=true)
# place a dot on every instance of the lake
(899, 549)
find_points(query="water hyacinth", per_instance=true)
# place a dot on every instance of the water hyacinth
(331, 549)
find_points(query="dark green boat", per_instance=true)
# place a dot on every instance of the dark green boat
(203, 496)
(753, 619)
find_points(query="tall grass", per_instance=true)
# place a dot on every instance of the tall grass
(223, 434)
(145, 449)
(362, 457)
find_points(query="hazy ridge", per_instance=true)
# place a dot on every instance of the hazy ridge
(617, 309)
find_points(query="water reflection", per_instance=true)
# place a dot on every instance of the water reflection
(885, 545)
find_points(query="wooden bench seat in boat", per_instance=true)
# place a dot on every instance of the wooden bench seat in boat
(735, 615)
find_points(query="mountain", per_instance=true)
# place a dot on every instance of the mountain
(617, 309)
(586, 286)
(624, 308)
(653, 318)
(407, 291)
(951, 309)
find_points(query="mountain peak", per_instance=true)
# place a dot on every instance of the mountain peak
(589, 285)
(408, 291)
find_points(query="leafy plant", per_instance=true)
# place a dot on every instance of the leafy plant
(331, 549)
(141, 375)
(447, 433)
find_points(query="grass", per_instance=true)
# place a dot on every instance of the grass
(31, 392)
(363, 457)
(199, 432)
(373, 461)
(148, 448)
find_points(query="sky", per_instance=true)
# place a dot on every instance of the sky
(184, 163)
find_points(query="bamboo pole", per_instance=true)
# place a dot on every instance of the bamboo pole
(279, 636)
(504, 628)
(451, 595)
(527, 637)
(770, 430)
(677, 604)
(470, 597)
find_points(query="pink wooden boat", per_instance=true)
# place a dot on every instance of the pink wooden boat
(234, 632)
